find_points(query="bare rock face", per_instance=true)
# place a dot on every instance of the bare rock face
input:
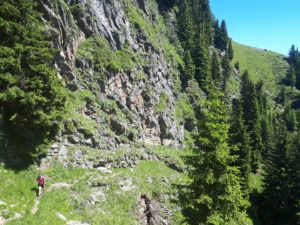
(149, 212)
(138, 111)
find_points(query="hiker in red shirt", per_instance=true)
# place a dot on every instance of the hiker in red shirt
(41, 184)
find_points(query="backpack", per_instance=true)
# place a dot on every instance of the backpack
(41, 180)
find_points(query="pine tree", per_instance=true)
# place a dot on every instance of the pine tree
(251, 117)
(189, 69)
(282, 96)
(266, 135)
(291, 77)
(279, 203)
(224, 36)
(239, 142)
(294, 178)
(185, 26)
(30, 94)
(216, 68)
(202, 19)
(202, 62)
(216, 195)
(230, 50)
(293, 55)
(289, 117)
(217, 34)
(226, 70)
(297, 72)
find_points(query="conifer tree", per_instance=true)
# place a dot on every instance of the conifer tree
(289, 117)
(31, 100)
(202, 19)
(224, 40)
(279, 204)
(294, 177)
(251, 117)
(297, 72)
(185, 26)
(189, 69)
(291, 77)
(226, 70)
(282, 96)
(293, 55)
(217, 34)
(230, 50)
(202, 62)
(216, 195)
(266, 135)
(215, 68)
(239, 142)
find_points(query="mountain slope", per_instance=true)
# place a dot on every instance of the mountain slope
(264, 65)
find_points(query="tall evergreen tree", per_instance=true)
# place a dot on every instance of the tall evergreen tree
(279, 203)
(293, 55)
(289, 117)
(216, 68)
(202, 19)
(251, 117)
(239, 142)
(226, 70)
(216, 195)
(185, 26)
(222, 39)
(217, 34)
(230, 50)
(189, 69)
(31, 100)
(291, 77)
(202, 62)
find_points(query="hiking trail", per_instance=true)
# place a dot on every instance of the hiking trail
(52, 187)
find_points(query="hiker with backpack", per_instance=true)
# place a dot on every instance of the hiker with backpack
(41, 184)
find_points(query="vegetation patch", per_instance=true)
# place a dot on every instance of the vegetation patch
(184, 110)
(97, 51)
(163, 101)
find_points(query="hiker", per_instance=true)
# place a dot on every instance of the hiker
(41, 184)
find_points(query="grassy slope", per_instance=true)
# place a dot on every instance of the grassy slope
(119, 207)
(262, 64)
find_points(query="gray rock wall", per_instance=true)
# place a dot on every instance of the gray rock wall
(145, 94)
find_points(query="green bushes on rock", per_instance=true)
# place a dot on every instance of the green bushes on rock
(31, 97)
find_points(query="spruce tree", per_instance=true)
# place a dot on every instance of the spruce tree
(217, 34)
(251, 117)
(216, 195)
(185, 26)
(224, 36)
(202, 62)
(239, 143)
(289, 117)
(291, 77)
(30, 94)
(279, 203)
(216, 68)
(202, 19)
(189, 69)
(230, 50)
(294, 178)
(293, 55)
(282, 98)
(226, 70)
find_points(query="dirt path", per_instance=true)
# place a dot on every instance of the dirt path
(55, 186)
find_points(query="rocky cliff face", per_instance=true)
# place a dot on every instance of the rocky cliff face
(122, 54)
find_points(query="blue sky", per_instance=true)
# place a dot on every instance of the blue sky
(269, 24)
